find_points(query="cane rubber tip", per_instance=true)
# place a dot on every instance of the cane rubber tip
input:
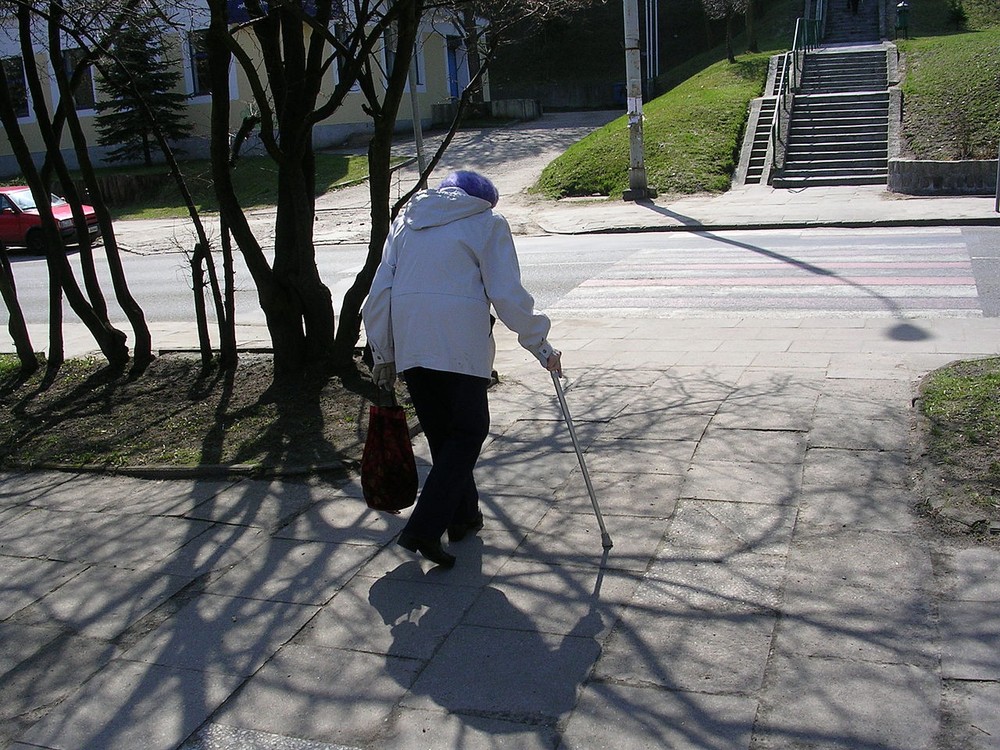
(606, 541)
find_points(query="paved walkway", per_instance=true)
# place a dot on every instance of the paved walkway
(770, 583)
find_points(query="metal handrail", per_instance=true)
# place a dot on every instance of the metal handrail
(807, 34)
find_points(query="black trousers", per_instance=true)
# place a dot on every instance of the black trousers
(454, 413)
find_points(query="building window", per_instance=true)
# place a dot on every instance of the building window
(201, 83)
(340, 33)
(13, 70)
(84, 94)
(391, 43)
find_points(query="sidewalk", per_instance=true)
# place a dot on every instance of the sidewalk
(770, 584)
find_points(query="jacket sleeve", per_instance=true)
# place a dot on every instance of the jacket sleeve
(513, 304)
(376, 312)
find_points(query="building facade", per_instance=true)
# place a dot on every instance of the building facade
(441, 71)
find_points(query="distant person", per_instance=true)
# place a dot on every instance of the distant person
(448, 260)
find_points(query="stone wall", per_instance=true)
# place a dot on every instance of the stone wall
(943, 177)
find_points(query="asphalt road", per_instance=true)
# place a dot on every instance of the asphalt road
(933, 271)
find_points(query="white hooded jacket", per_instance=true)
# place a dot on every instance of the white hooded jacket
(447, 259)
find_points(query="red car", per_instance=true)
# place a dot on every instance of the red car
(21, 226)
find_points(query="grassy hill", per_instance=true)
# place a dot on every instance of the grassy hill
(951, 89)
(692, 133)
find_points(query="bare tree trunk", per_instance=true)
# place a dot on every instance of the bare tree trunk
(110, 340)
(379, 171)
(749, 15)
(142, 348)
(16, 325)
(54, 157)
(228, 354)
(200, 314)
(57, 348)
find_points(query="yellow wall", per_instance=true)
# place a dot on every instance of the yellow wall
(346, 120)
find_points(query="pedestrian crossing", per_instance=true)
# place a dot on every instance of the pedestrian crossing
(892, 271)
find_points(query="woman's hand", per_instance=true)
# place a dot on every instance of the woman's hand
(554, 363)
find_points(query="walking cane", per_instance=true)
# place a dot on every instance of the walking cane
(605, 536)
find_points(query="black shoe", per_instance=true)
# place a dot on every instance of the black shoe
(429, 548)
(458, 531)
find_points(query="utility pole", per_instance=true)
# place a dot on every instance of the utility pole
(637, 188)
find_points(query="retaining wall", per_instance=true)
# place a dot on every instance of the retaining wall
(971, 177)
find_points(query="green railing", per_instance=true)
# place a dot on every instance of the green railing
(808, 32)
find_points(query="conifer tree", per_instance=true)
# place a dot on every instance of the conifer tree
(139, 88)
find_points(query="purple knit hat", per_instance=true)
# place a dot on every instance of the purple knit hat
(474, 184)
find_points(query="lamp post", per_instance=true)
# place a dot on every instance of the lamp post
(637, 187)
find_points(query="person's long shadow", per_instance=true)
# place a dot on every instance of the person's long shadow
(503, 677)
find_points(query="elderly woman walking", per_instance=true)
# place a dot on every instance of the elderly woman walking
(448, 260)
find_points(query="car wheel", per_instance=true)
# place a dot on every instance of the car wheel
(35, 242)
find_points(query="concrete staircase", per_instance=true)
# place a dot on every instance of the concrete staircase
(839, 127)
(844, 26)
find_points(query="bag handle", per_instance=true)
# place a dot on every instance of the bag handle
(384, 395)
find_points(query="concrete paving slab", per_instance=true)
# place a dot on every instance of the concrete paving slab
(762, 416)
(740, 583)
(415, 729)
(547, 469)
(575, 539)
(75, 494)
(222, 634)
(217, 549)
(103, 601)
(659, 643)
(650, 495)
(610, 716)
(743, 482)
(518, 508)
(479, 559)
(971, 575)
(532, 436)
(867, 508)
(20, 487)
(855, 470)
(889, 626)
(728, 528)
(558, 597)
(38, 533)
(972, 719)
(656, 423)
(403, 613)
(748, 444)
(267, 505)
(519, 675)
(342, 520)
(874, 560)
(293, 571)
(24, 581)
(145, 496)
(131, 705)
(221, 737)
(970, 637)
(49, 671)
(127, 539)
(636, 456)
(829, 431)
(839, 703)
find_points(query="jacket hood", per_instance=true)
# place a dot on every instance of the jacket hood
(435, 208)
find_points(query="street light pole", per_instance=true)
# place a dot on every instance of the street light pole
(637, 187)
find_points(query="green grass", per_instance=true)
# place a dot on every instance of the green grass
(951, 96)
(962, 405)
(256, 181)
(691, 138)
